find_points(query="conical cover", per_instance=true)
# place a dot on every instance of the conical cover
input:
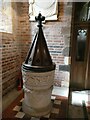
(38, 56)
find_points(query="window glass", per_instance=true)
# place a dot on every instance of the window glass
(81, 44)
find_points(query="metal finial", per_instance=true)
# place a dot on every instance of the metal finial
(39, 18)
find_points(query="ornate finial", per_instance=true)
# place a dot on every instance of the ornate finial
(39, 18)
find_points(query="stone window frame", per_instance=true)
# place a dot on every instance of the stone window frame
(53, 15)
(6, 16)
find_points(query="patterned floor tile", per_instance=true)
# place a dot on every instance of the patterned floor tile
(34, 118)
(20, 115)
(55, 111)
(53, 97)
(58, 102)
(22, 100)
(17, 111)
(17, 108)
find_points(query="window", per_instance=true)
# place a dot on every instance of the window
(5, 16)
(49, 9)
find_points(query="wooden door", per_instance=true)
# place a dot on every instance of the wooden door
(80, 56)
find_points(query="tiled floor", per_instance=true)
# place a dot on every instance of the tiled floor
(54, 112)
(60, 91)
(59, 98)
(57, 112)
(82, 96)
(60, 105)
(79, 104)
(9, 98)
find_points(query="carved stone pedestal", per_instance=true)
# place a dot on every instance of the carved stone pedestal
(37, 92)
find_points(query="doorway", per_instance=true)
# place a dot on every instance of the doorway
(80, 51)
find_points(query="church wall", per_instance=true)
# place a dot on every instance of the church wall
(16, 45)
(57, 34)
(11, 54)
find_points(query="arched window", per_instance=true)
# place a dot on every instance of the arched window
(49, 9)
(5, 16)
